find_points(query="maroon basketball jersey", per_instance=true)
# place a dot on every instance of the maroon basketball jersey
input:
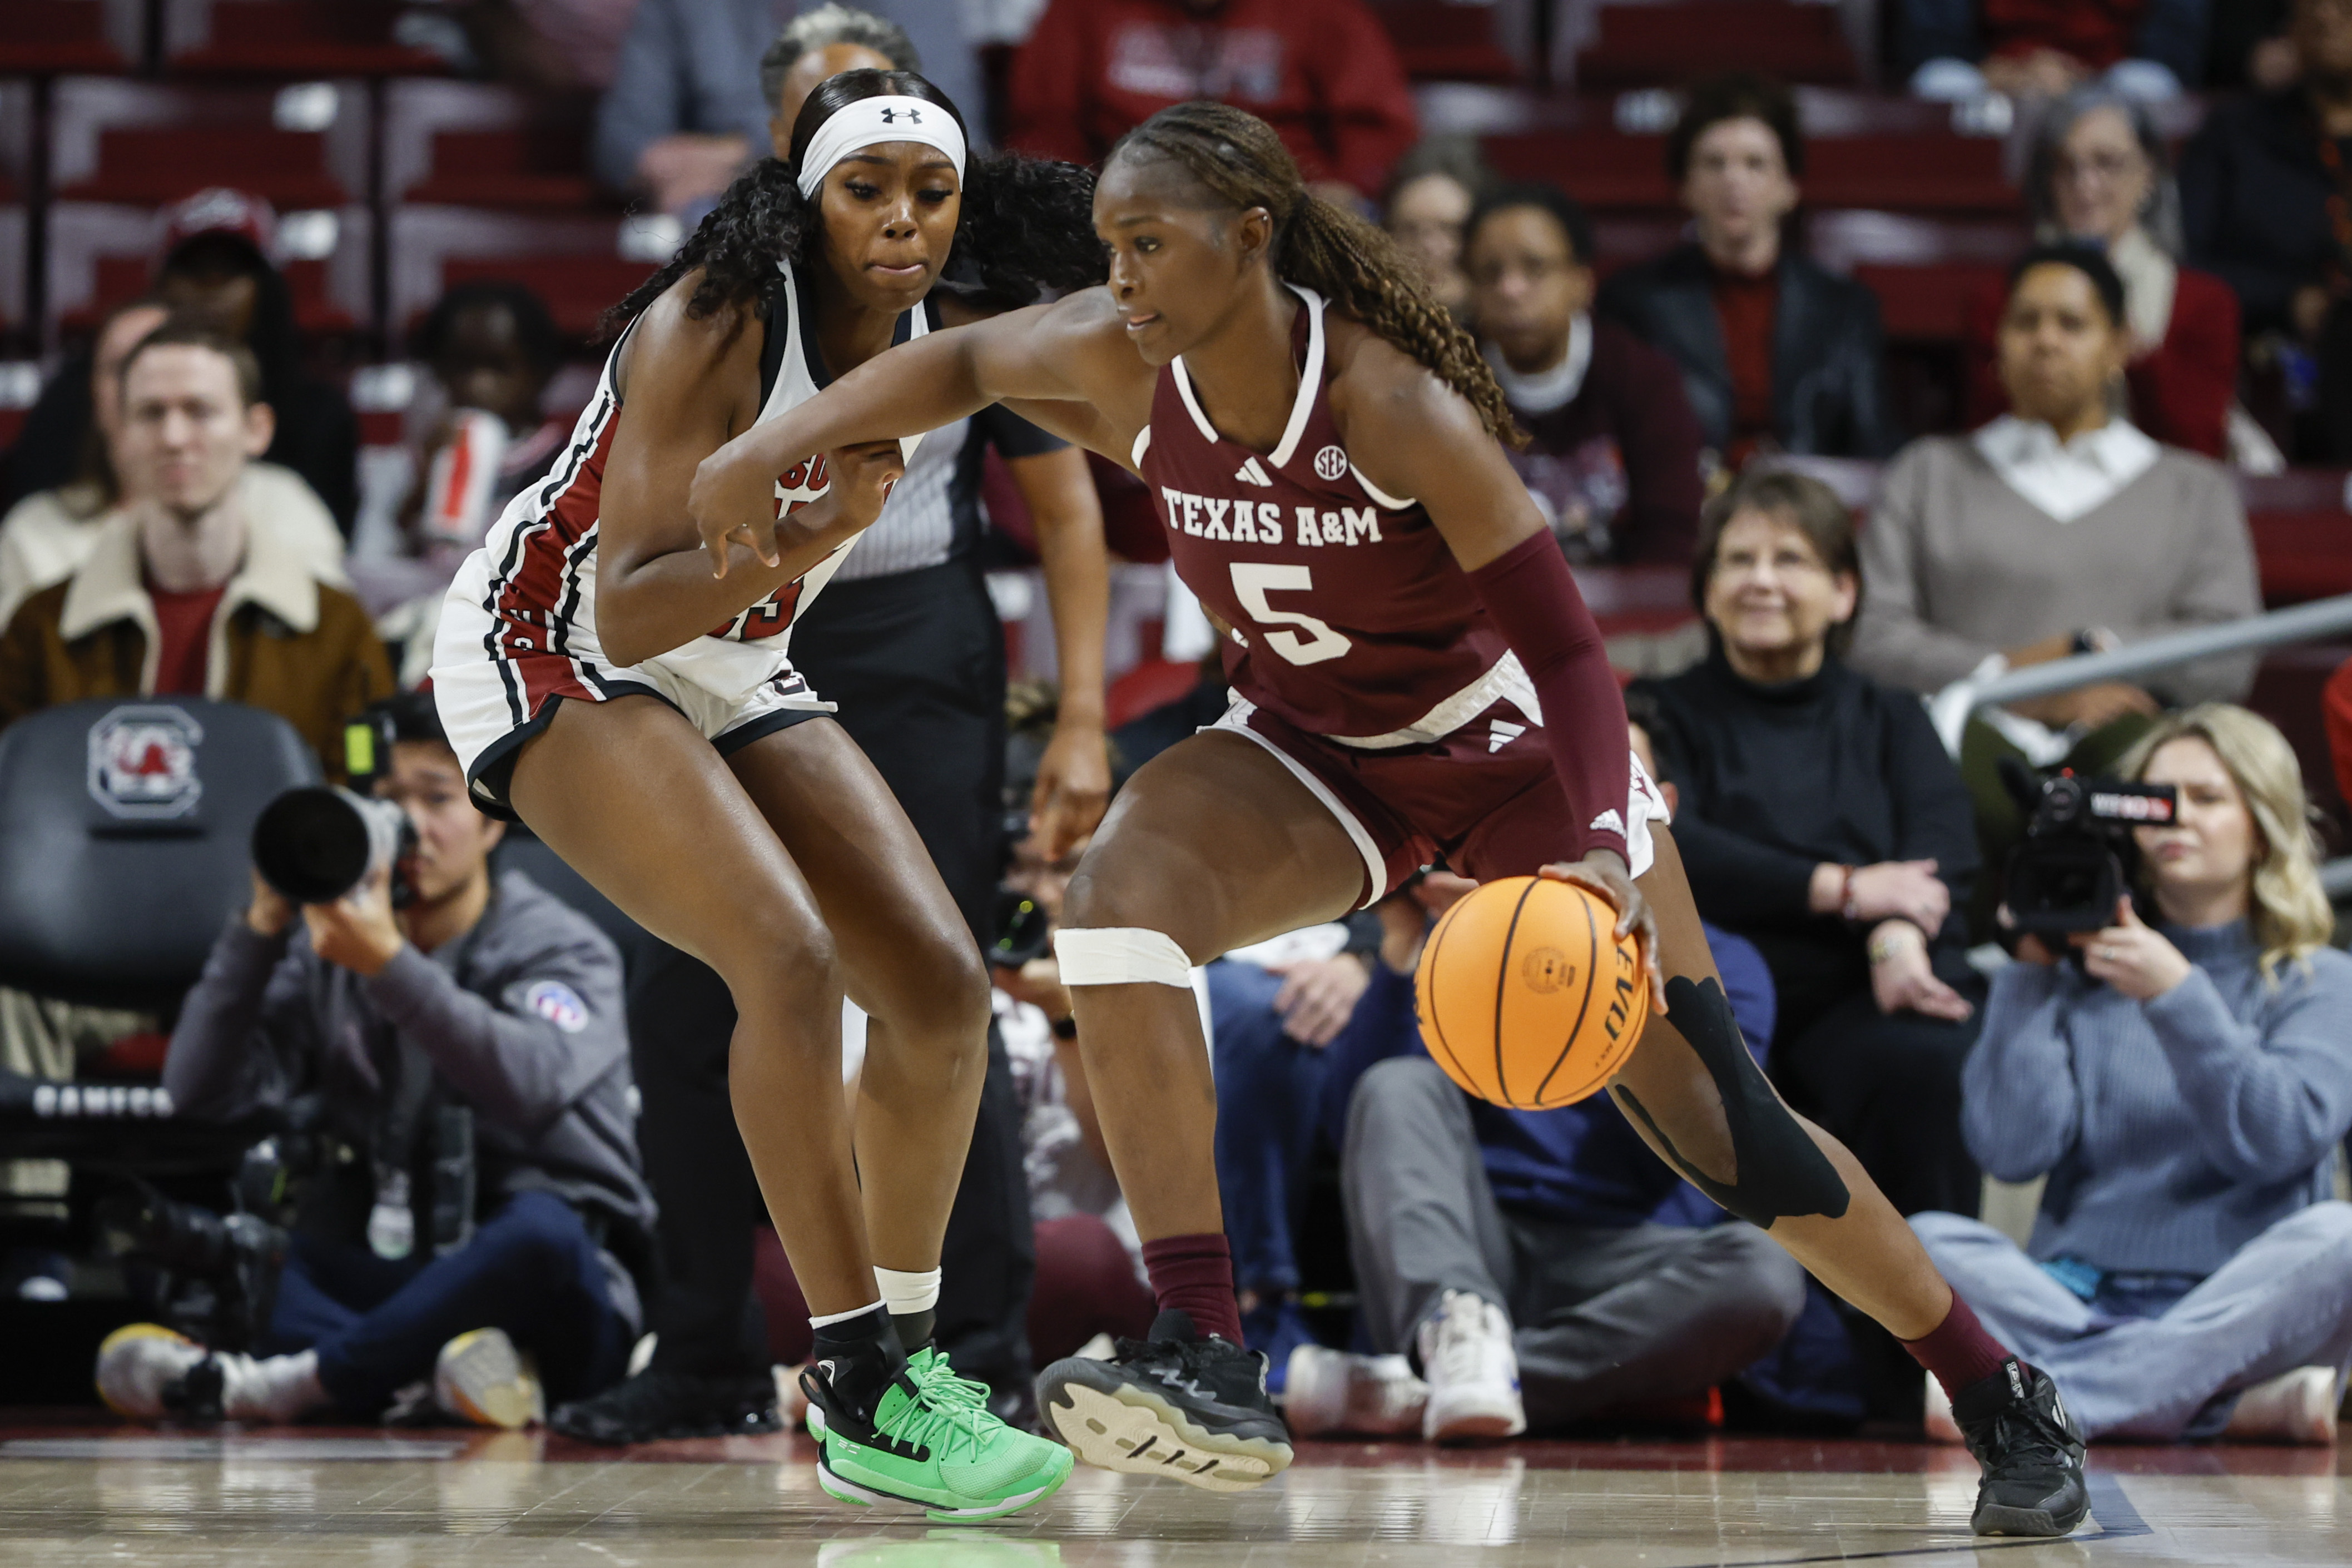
(1357, 623)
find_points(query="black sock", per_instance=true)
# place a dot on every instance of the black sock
(915, 1329)
(856, 1359)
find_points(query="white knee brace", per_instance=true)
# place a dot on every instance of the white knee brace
(1121, 955)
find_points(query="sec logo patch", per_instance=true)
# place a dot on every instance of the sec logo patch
(1330, 463)
(559, 1004)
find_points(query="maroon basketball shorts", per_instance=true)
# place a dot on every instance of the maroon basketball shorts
(1485, 797)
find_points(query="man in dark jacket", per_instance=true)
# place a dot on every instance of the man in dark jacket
(1777, 353)
(480, 1183)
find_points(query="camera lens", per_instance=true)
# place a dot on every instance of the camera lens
(311, 844)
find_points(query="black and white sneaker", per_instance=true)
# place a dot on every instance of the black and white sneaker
(1175, 1404)
(2032, 1451)
(653, 1405)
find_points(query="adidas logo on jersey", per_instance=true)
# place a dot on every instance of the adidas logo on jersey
(1249, 473)
(1261, 522)
(1501, 732)
(1608, 822)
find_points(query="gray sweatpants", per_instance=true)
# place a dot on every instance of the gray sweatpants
(2284, 1300)
(1603, 1315)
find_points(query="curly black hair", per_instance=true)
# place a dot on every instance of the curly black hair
(1026, 228)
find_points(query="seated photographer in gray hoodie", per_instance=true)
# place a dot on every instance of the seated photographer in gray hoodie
(2184, 1079)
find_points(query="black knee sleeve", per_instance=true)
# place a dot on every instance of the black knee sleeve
(1778, 1169)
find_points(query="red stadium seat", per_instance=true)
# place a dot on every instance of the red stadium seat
(1660, 45)
(1928, 303)
(1439, 40)
(136, 143)
(574, 261)
(301, 39)
(42, 38)
(1929, 172)
(451, 143)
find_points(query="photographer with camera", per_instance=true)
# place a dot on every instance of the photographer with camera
(2183, 1077)
(476, 1183)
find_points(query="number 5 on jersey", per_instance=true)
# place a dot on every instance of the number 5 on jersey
(1253, 582)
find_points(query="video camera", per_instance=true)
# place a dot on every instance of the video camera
(2074, 865)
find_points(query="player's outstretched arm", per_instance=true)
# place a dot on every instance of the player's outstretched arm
(1038, 358)
(686, 386)
(1424, 439)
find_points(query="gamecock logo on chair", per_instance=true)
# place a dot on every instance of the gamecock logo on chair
(142, 762)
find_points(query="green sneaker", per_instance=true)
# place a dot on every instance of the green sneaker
(932, 1444)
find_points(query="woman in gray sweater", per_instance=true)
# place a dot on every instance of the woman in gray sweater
(2057, 529)
(2184, 1086)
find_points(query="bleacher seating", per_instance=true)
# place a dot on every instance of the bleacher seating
(296, 39)
(1455, 40)
(452, 143)
(575, 261)
(1642, 45)
(44, 37)
(120, 150)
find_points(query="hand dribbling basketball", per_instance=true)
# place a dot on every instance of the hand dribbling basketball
(1604, 874)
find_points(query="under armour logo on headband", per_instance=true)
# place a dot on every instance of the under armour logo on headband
(869, 122)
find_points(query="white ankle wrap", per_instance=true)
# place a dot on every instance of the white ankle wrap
(1121, 955)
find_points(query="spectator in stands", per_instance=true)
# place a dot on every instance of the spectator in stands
(491, 348)
(1431, 193)
(1820, 818)
(688, 107)
(481, 1002)
(2099, 176)
(1321, 72)
(2183, 1080)
(50, 533)
(2057, 529)
(1959, 49)
(1777, 353)
(181, 592)
(2261, 184)
(560, 47)
(1613, 455)
(218, 270)
(1520, 1259)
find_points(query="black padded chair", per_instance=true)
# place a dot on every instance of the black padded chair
(125, 831)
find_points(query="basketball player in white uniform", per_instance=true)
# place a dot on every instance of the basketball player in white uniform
(641, 714)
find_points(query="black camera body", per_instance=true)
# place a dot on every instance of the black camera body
(2075, 861)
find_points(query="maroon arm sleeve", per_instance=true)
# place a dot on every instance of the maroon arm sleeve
(1532, 595)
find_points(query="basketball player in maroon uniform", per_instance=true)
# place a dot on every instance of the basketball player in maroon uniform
(1415, 675)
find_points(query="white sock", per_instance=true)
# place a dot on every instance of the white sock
(832, 1318)
(907, 1293)
(275, 1388)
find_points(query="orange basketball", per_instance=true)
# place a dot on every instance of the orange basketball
(1528, 999)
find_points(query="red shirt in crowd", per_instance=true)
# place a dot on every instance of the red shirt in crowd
(2097, 32)
(1746, 307)
(1321, 72)
(2180, 390)
(184, 629)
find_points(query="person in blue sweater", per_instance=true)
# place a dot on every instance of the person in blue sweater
(1539, 1266)
(2184, 1079)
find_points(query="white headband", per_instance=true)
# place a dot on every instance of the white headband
(870, 121)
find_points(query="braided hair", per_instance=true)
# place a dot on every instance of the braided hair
(1026, 229)
(1237, 158)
